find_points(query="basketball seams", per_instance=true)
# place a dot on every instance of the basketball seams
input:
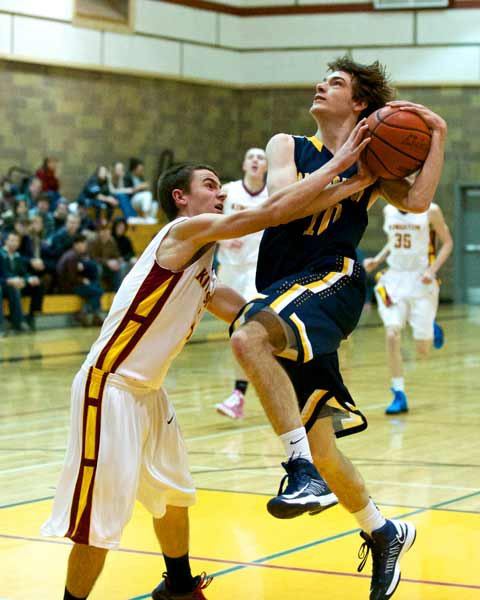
(403, 127)
(380, 161)
(396, 149)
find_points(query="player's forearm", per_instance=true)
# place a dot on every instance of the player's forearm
(332, 196)
(442, 256)
(423, 190)
(299, 196)
(225, 303)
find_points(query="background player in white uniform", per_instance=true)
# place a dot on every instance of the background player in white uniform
(124, 439)
(408, 291)
(238, 258)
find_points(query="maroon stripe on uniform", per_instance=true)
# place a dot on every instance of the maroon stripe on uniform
(156, 277)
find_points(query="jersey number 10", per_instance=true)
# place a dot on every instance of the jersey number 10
(329, 216)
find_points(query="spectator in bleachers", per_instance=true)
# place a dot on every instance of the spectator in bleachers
(17, 282)
(33, 252)
(122, 193)
(42, 210)
(124, 243)
(21, 227)
(61, 241)
(21, 208)
(7, 202)
(60, 214)
(48, 175)
(96, 194)
(104, 251)
(32, 193)
(77, 275)
(142, 199)
(87, 224)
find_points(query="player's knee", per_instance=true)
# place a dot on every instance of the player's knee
(248, 340)
(393, 334)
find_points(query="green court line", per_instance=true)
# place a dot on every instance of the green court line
(22, 502)
(332, 538)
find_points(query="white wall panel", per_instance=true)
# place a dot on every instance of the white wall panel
(449, 26)
(58, 42)
(171, 20)
(5, 33)
(296, 67)
(317, 30)
(214, 64)
(50, 9)
(426, 65)
(142, 54)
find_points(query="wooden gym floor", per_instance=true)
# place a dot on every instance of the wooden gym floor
(424, 466)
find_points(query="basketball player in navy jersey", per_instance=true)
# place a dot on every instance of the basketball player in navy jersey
(312, 295)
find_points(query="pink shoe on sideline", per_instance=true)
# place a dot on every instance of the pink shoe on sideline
(233, 406)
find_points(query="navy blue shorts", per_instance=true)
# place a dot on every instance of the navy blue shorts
(322, 308)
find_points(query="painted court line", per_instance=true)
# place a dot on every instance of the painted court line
(322, 541)
(241, 565)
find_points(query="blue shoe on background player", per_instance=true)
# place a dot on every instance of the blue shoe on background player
(388, 544)
(306, 491)
(438, 336)
(399, 403)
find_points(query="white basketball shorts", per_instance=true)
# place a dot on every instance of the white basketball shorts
(125, 444)
(239, 277)
(418, 309)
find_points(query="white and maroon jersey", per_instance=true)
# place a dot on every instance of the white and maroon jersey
(240, 198)
(409, 240)
(153, 315)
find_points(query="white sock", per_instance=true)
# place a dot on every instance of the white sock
(296, 444)
(398, 384)
(370, 518)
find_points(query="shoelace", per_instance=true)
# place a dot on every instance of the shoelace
(205, 581)
(363, 553)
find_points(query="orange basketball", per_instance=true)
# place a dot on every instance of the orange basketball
(399, 145)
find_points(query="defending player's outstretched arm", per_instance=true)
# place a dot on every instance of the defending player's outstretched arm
(292, 202)
(418, 196)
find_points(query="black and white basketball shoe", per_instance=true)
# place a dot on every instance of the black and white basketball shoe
(305, 492)
(387, 544)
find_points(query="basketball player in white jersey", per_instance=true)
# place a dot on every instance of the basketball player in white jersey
(408, 291)
(238, 258)
(125, 442)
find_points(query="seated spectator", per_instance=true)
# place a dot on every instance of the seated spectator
(21, 208)
(124, 243)
(60, 242)
(87, 224)
(78, 275)
(60, 214)
(96, 193)
(142, 199)
(21, 227)
(48, 175)
(32, 193)
(7, 203)
(121, 192)
(104, 251)
(43, 210)
(17, 282)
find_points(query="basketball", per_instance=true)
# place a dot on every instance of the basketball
(400, 143)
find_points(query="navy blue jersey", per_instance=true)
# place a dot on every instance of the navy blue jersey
(304, 244)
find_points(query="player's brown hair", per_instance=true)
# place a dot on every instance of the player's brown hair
(178, 177)
(371, 83)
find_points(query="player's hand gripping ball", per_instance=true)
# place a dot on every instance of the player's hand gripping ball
(400, 143)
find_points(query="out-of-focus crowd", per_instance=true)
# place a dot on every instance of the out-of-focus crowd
(52, 245)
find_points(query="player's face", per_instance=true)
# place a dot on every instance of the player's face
(255, 162)
(333, 96)
(206, 194)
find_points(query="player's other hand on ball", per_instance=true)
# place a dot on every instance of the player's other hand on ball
(434, 121)
(350, 152)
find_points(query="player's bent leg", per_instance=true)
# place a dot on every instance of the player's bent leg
(254, 347)
(302, 489)
(172, 531)
(343, 478)
(85, 564)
